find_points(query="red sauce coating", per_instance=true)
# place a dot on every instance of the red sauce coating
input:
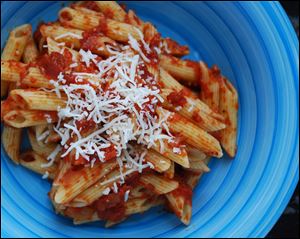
(91, 39)
(51, 65)
(196, 68)
(28, 158)
(112, 206)
(37, 35)
(184, 191)
(103, 25)
(66, 15)
(175, 48)
(177, 98)
(90, 5)
(108, 13)
(85, 125)
(123, 6)
(196, 116)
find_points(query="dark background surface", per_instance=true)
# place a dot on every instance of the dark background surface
(288, 224)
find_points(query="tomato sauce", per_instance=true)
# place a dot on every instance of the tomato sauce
(28, 158)
(90, 5)
(51, 65)
(90, 40)
(197, 70)
(177, 98)
(108, 13)
(196, 117)
(184, 191)
(175, 48)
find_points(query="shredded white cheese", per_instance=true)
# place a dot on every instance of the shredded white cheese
(123, 114)
(68, 34)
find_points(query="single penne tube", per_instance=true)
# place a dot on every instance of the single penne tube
(229, 109)
(180, 201)
(117, 31)
(159, 184)
(27, 118)
(186, 70)
(178, 157)
(160, 163)
(82, 179)
(111, 9)
(30, 52)
(11, 140)
(14, 49)
(186, 214)
(176, 203)
(193, 135)
(210, 86)
(171, 171)
(38, 146)
(33, 161)
(39, 100)
(189, 108)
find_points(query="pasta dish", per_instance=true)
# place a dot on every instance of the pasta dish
(116, 119)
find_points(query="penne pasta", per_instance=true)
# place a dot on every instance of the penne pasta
(30, 52)
(180, 201)
(160, 163)
(37, 145)
(159, 184)
(11, 140)
(94, 192)
(112, 9)
(140, 205)
(115, 30)
(229, 108)
(181, 69)
(27, 118)
(14, 49)
(33, 161)
(73, 38)
(82, 180)
(210, 86)
(171, 171)
(39, 100)
(194, 135)
(190, 109)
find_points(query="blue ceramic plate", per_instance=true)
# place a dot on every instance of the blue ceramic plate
(257, 49)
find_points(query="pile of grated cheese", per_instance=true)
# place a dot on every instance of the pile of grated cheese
(123, 113)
